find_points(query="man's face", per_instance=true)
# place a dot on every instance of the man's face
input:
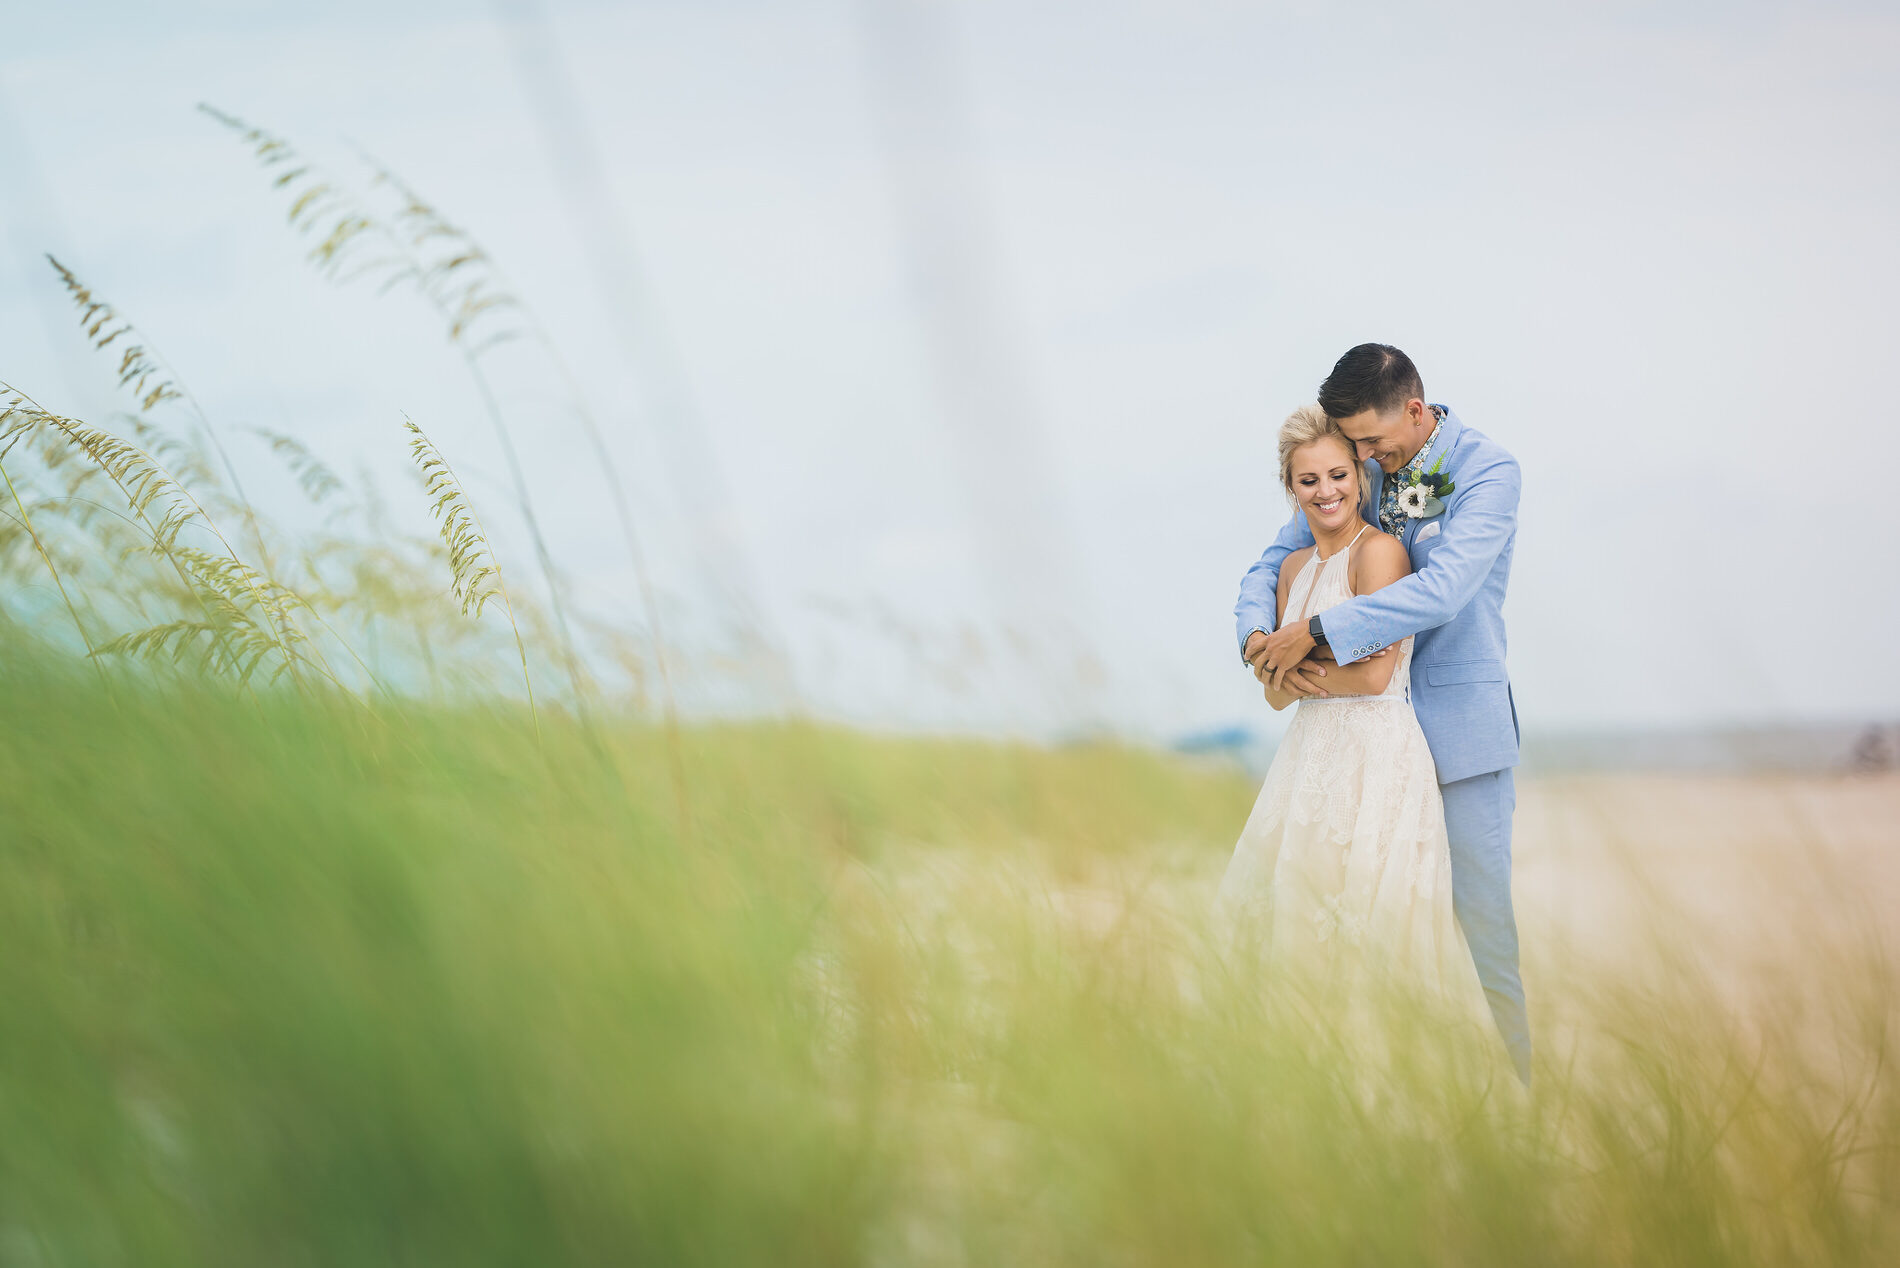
(1391, 439)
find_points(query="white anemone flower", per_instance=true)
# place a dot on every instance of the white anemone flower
(1412, 499)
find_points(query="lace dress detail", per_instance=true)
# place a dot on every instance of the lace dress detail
(1343, 863)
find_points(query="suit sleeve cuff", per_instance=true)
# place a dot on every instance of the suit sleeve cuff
(1350, 639)
(1243, 643)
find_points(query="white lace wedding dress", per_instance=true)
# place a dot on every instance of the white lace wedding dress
(1343, 866)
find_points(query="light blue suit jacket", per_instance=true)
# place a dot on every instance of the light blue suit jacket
(1453, 601)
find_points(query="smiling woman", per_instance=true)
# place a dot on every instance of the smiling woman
(1329, 486)
(1325, 454)
(1344, 866)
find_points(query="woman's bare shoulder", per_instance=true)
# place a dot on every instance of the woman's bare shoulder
(1381, 553)
(1296, 561)
(1380, 546)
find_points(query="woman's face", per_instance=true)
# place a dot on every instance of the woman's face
(1326, 483)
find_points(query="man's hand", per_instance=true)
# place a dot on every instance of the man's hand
(1300, 685)
(1286, 648)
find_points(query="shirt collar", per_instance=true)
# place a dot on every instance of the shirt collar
(1429, 451)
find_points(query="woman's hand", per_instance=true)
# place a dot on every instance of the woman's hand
(1294, 684)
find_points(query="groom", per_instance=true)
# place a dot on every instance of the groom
(1449, 494)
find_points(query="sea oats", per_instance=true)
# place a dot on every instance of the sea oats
(226, 589)
(353, 242)
(475, 575)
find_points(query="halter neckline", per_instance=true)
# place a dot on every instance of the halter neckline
(1347, 549)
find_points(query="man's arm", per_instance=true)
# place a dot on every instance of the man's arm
(1379, 563)
(1259, 589)
(1469, 545)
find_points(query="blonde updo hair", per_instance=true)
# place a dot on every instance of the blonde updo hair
(1302, 427)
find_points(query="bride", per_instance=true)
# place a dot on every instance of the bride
(1343, 866)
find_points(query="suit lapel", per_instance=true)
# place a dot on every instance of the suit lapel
(1449, 433)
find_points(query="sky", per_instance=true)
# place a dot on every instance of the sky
(943, 344)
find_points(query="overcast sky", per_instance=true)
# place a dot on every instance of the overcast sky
(983, 314)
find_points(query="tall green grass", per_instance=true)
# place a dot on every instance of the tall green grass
(294, 978)
(318, 948)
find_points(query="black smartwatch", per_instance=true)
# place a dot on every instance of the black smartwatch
(1319, 635)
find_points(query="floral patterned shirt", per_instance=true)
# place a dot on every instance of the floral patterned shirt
(1391, 518)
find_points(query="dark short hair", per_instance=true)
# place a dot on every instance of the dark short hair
(1373, 376)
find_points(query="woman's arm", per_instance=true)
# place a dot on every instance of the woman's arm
(1378, 562)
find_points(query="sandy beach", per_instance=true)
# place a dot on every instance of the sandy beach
(1756, 873)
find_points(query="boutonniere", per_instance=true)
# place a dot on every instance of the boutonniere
(1421, 496)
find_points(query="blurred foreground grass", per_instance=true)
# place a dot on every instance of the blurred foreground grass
(292, 982)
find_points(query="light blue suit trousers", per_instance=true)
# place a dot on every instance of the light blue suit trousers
(1453, 602)
(1478, 821)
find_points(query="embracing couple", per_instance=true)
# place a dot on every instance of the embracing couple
(1383, 830)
